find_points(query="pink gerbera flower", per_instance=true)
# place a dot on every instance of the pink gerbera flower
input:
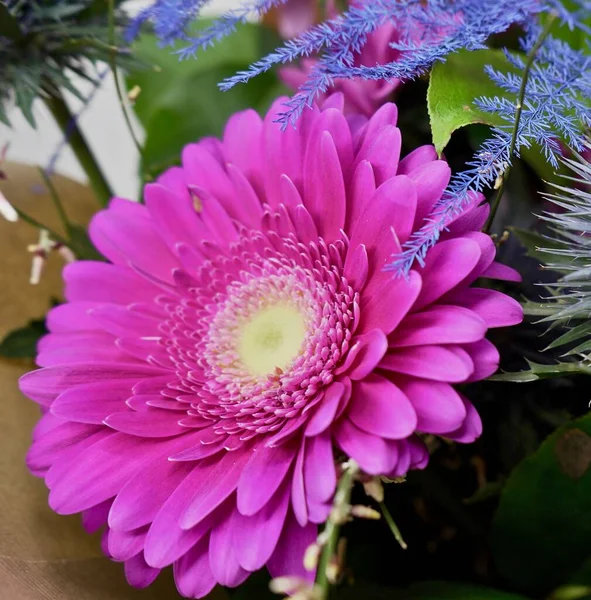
(198, 387)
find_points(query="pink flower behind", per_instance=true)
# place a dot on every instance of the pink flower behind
(196, 388)
(362, 96)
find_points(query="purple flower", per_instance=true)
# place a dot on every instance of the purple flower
(198, 388)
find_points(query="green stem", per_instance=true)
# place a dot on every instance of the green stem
(67, 123)
(27, 219)
(393, 527)
(518, 108)
(56, 200)
(113, 64)
(333, 527)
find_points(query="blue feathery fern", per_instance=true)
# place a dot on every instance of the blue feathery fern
(556, 99)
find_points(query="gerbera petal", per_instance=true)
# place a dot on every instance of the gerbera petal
(262, 475)
(438, 363)
(370, 451)
(389, 306)
(138, 573)
(438, 407)
(222, 556)
(327, 409)
(92, 402)
(192, 572)
(255, 537)
(379, 407)
(288, 557)
(446, 265)
(497, 309)
(471, 428)
(441, 324)
(320, 476)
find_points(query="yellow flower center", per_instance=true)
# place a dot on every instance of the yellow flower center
(271, 339)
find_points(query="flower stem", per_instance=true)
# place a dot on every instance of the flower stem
(113, 65)
(336, 518)
(518, 108)
(393, 527)
(67, 123)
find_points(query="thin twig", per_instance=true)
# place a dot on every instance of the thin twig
(393, 527)
(113, 64)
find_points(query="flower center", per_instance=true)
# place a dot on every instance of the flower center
(271, 339)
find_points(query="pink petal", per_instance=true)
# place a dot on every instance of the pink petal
(361, 189)
(437, 363)
(152, 423)
(365, 353)
(44, 385)
(298, 491)
(390, 305)
(192, 573)
(166, 542)
(124, 545)
(503, 272)
(255, 537)
(263, 474)
(431, 180)
(446, 265)
(379, 407)
(370, 451)
(92, 402)
(438, 406)
(72, 317)
(324, 187)
(226, 472)
(423, 155)
(133, 507)
(81, 347)
(319, 469)
(102, 470)
(471, 428)
(327, 408)
(138, 573)
(439, 324)
(95, 518)
(497, 309)
(288, 557)
(356, 267)
(222, 557)
(485, 357)
(87, 280)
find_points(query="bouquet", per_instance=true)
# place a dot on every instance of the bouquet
(338, 344)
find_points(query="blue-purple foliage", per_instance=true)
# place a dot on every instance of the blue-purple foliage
(557, 99)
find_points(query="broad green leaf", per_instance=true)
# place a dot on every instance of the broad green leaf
(541, 534)
(22, 343)
(537, 371)
(180, 101)
(455, 84)
(453, 87)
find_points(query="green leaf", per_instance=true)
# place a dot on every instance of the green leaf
(537, 371)
(22, 343)
(9, 26)
(180, 102)
(81, 245)
(453, 87)
(542, 530)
